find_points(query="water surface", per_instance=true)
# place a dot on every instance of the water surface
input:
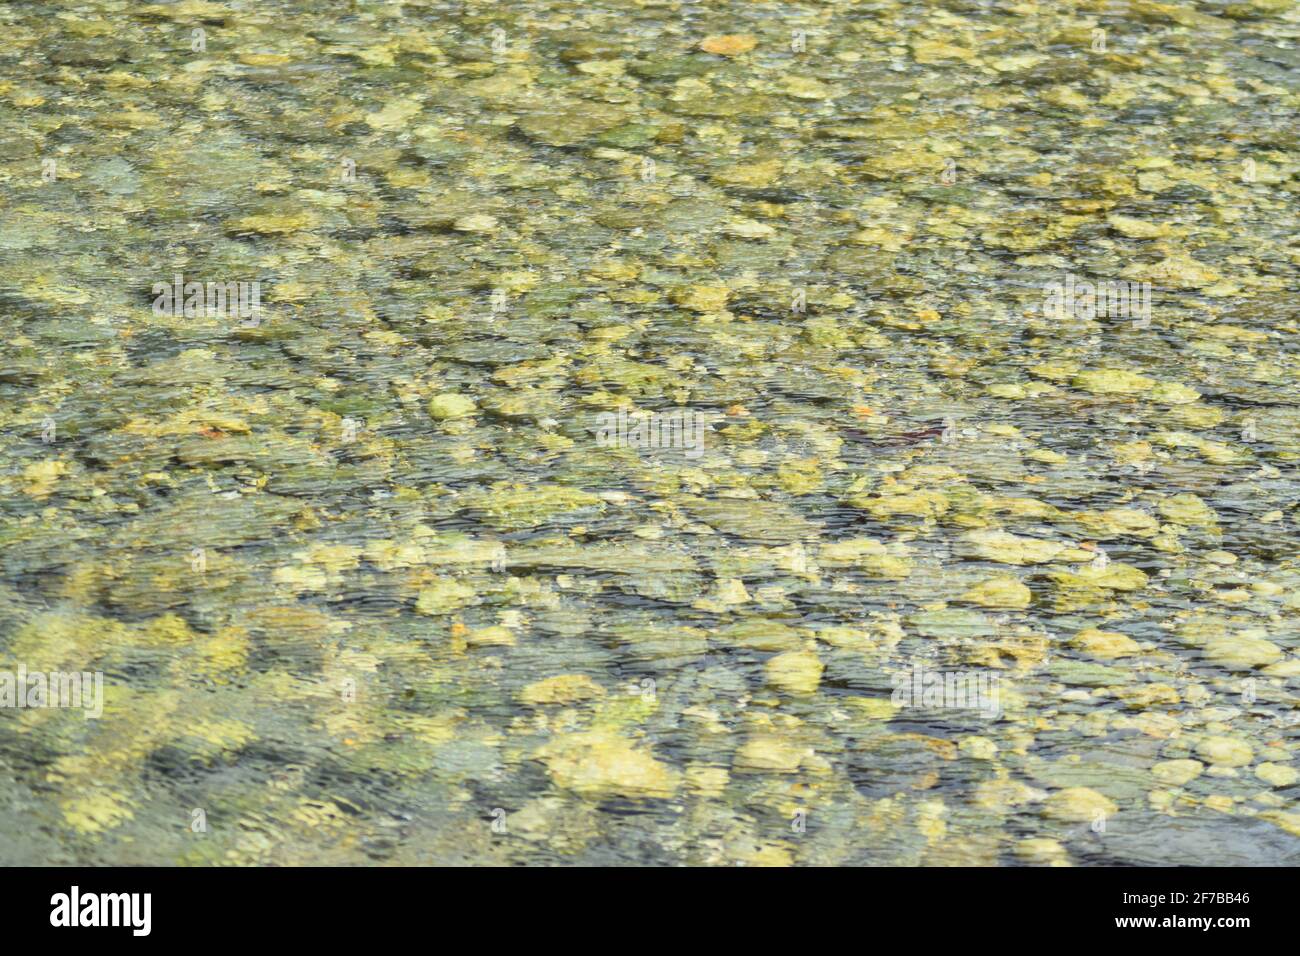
(368, 584)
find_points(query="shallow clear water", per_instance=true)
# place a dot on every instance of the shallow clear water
(935, 559)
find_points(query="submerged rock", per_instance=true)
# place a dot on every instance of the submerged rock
(1225, 751)
(796, 672)
(1078, 805)
(601, 763)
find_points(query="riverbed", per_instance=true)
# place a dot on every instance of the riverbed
(638, 433)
